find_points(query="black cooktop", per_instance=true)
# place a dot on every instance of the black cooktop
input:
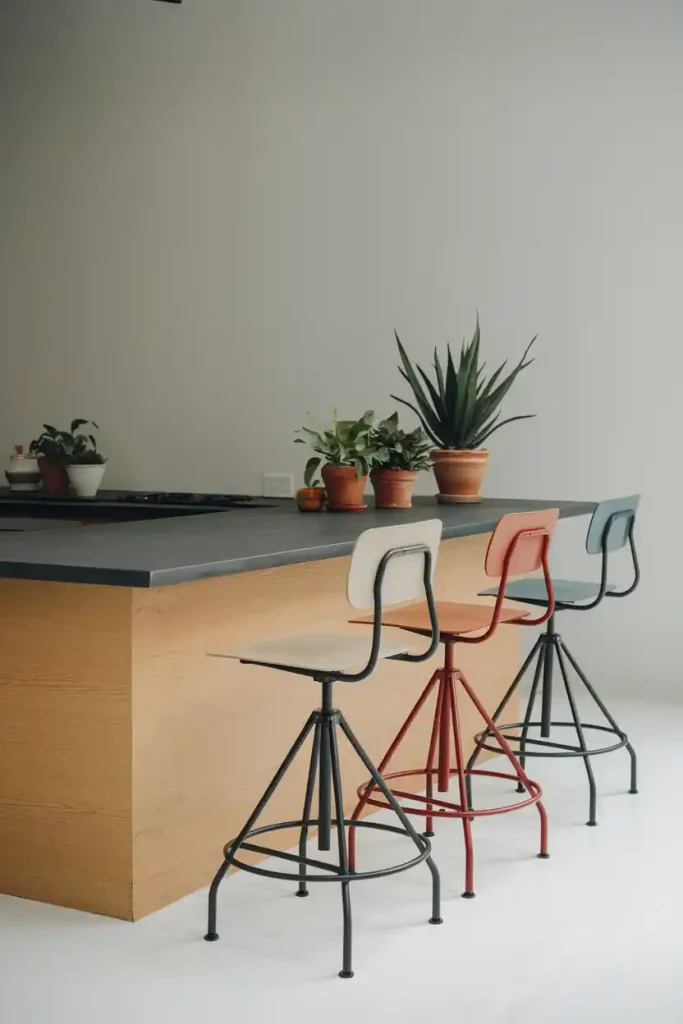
(193, 500)
(123, 506)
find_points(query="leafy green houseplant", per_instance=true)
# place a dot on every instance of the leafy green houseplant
(399, 456)
(344, 450)
(459, 407)
(56, 449)
(86, 465)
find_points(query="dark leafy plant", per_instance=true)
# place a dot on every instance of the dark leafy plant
(87, 457)
(311, 478)
(64, 447)
(345, 443)
(398, 449)
(460, 407)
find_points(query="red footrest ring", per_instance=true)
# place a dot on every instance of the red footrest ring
(436, 807)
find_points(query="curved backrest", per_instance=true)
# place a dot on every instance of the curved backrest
(611, 523)
(404, 576)
(533, 529)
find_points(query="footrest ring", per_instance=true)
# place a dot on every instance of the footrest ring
(446, 808)
(335, 875)
(557, 749)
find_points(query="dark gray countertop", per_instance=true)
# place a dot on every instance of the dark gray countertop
(165, 551)
(25, 524)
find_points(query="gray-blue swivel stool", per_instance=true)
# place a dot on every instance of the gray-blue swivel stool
(611, 528)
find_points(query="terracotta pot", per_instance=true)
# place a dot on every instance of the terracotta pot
(459, 474)
(393, 487)
(344, 490)
(54, 476)
(310, 499)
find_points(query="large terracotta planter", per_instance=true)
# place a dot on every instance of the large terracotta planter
(310, 499)
(459, 474)
(344, 489)
(54, 476)
(393, 487)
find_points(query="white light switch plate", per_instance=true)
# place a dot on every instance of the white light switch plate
(278, 485)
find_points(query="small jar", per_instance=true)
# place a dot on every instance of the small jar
(23, 473)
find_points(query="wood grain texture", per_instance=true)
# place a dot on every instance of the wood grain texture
(209, 733)
(128, 757)
(66, 745)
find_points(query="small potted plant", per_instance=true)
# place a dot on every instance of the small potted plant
(398, 458)
(346, 452)
(86, 465)
(311, 497)
(459, 410)
(51, 449)
(59, 450)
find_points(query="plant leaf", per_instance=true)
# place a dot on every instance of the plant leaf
(512, 419)
(310, 470)
(427, 413)
(438, 369)
(437, 441)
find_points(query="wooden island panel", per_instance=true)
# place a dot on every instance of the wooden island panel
(129, 758)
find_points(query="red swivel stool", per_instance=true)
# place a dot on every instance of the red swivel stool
(519, 545)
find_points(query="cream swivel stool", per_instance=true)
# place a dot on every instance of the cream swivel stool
(390, 565)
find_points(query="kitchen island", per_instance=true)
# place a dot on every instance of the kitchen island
(127, 757)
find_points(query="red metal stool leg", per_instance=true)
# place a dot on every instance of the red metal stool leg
(429, 767)
(469, 893)
(514, 761)
(384, 763)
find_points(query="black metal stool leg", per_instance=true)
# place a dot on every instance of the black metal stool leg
(499, 710)
(547, 700)
(592, 820)
(308, 803)
(608, 716)
(212, 934)
(529, 711)
(400, 814)
(347, 969)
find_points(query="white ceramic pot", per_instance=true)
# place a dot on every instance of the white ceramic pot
(85, 479)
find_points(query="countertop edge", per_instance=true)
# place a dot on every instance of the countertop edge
(147, 579)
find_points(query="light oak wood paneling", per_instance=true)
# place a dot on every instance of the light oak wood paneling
(209, 733)
(66, 745)
(128, 757)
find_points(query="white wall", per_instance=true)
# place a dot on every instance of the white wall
(213, 216)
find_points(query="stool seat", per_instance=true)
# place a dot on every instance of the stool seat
(533, 589)
(323, 652)
(454, 617)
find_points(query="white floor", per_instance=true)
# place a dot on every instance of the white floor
(594, 934)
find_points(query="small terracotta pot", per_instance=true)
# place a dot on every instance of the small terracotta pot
(393, 487)
(344, 490)
(55, 477)
(310, 499)
(459, 474)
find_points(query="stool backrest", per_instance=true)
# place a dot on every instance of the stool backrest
(518, 542)
(403, 578)
(611, 524)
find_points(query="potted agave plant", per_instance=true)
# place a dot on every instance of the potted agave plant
(345, 453)
(398, 458)
(311, 497)
(459, 409)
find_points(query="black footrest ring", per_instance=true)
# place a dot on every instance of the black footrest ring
(334, 873)
(560, 749)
